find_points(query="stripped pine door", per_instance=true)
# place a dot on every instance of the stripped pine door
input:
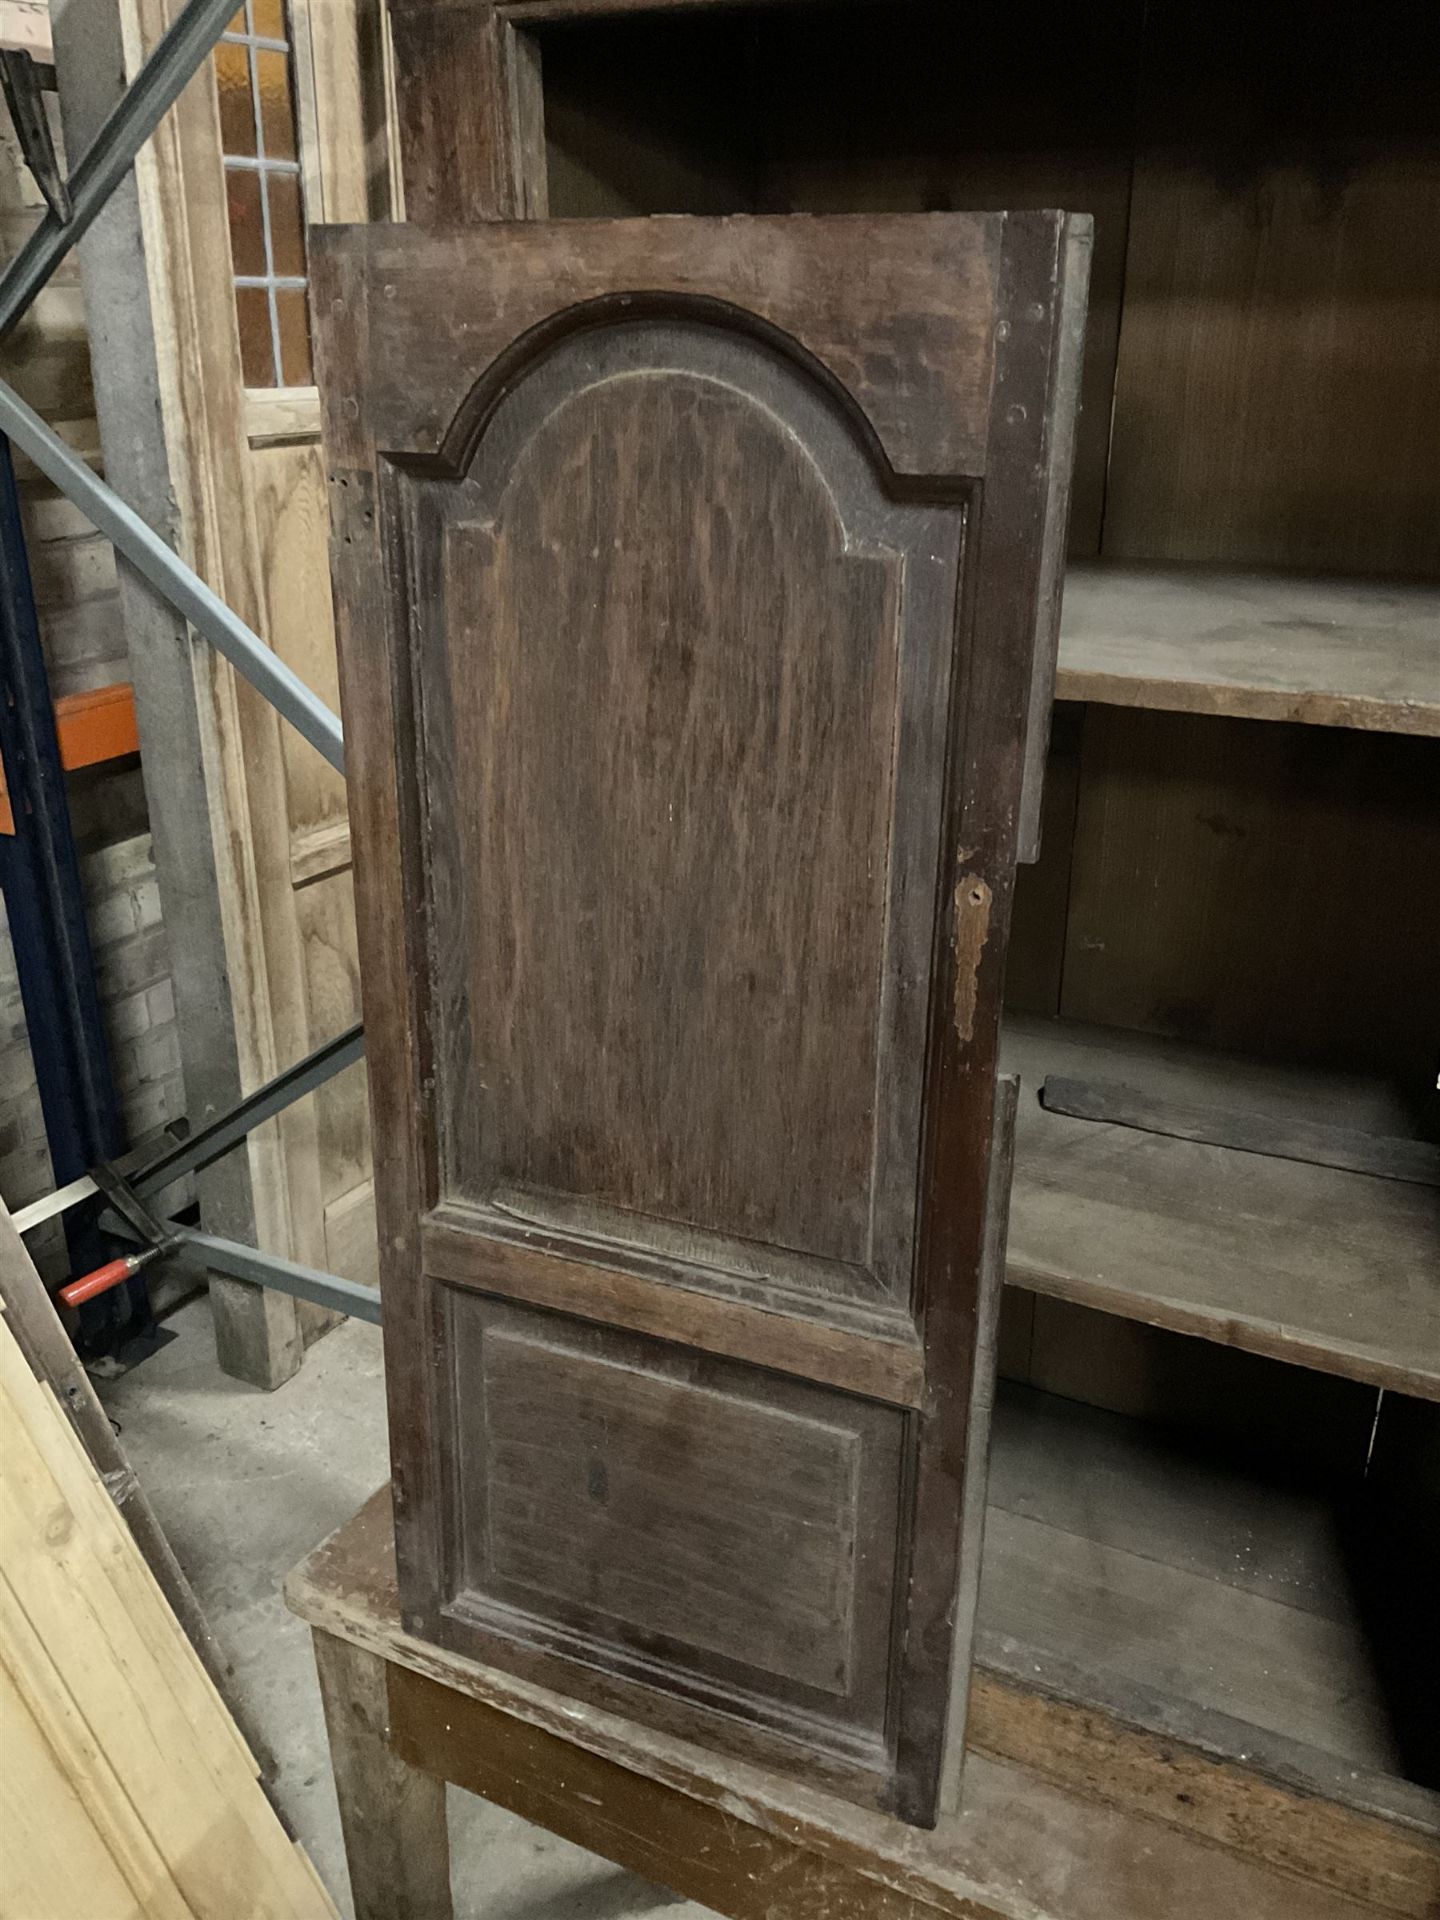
(695, 588)
(249, 822)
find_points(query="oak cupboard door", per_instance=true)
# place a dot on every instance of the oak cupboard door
(696, 591)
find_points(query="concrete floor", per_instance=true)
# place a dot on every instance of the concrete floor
(245, 1483)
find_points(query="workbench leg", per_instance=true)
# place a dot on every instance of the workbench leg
(392, 1815)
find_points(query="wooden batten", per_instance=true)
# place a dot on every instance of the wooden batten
(125, 1784)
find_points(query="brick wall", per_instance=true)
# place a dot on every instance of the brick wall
(73, 571)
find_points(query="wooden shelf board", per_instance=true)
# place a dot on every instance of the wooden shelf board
(1101, 1535)
(1259, 646)
(1333, 1270)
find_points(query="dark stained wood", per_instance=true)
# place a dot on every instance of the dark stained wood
(717, 1530)
(1252, 885)
(1095, 1821)
(471, 116)
(696, 841)
(1279, 320)
(392, 1814)
(1059, 457)
(382, 808)
(858, 1346)
(977, 1440)
(731, 1867)
(693, 578)
(925, 395)
(978, 882)
(1277, 390)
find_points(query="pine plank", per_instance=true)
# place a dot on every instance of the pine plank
(144, 1755)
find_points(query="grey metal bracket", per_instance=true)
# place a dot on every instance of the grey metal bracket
(107, 159)
(169, 575)
(218, 1136)
(217, 1255)
(24, 95)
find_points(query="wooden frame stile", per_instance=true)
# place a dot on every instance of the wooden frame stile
(382, 833)
(1008, 701)
(1016, 509)
(155, 329)
(182, 188)
(255, 975)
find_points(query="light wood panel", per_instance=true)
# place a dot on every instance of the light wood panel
(124, 1786)
(245, 502)
(293, 523)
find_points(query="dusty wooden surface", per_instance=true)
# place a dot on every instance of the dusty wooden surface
(1260, 646)
(1024, 1847)
(1333, 1269)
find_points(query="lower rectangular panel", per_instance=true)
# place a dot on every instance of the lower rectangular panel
(706, 1544)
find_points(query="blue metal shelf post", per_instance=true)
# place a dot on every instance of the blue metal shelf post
(40, 876)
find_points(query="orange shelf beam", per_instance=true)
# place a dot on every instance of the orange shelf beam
(94, 726)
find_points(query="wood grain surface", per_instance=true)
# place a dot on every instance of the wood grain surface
(1258, 645)
(1307, 1263)
(1068, 1815)
(925, 392)
(688, 717)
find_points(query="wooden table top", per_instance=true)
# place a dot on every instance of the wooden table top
(1021, 1847)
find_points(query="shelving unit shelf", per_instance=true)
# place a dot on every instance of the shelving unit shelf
(1253, 645)
(1335, 1270)
(1218, 1604)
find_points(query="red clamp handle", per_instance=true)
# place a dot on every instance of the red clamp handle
(113, 1274)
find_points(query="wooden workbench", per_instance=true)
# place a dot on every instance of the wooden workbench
(404, 1717)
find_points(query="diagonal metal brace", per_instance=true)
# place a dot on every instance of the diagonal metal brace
(216, 1137)
(218, 1255)
(210, 1142)
(169, 575)
(107, 159)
